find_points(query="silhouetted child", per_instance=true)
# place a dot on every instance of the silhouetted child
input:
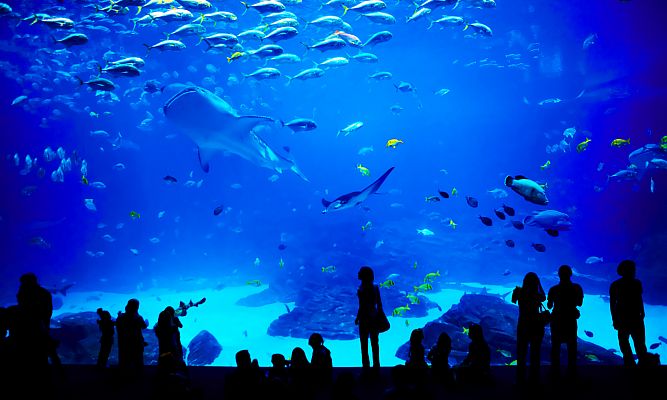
(416, 352)
(439, 358)
(475, 369)
(106, 325)
(530, 329)
(168, 334)
(320, 361)
(247, 380)
(278, 370)
(627, 312)
(277, 378)
(300, 377)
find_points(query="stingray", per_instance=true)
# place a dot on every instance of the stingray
(215, 126)
(353, 199)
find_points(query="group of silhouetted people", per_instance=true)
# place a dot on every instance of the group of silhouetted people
(26, 340)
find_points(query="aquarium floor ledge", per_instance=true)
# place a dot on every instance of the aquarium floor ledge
(594, 382)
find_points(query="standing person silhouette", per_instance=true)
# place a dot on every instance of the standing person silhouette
(563, 299)
(35, 307)
(129, 326)
(627, 312)
(106, 325)
(370, 304)
(529, 331)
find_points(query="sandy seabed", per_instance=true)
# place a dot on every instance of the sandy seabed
(240, 327)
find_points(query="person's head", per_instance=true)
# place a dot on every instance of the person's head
(475, 332)
(366, 274)
(28, 279)
(243, 359)
(565, 272)
(444, 342)
(531, 281)
(132, 306)
(298, 358)
(627, 269)
(170, 310)
(315, 340)
(103, 314)
(416, 336)
(278, 360)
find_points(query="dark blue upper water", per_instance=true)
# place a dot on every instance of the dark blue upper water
(493, 122)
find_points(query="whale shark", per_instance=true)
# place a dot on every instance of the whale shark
(353, 199)
(215, 126)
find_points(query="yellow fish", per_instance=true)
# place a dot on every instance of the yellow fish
(281, 263)
(413, 299)
(407, 323)
(620, 142)
(414, 266)
(364, 171)
(399, 311)
(368, 225)
(454, 192)
(254, 282)
(329, 269)
(663, 142)
(452, 223)
(393, 143)
(430, 277)
(84, 180)
(592, 357)
(235, 55)
(583, 145)
(135, 214)
(387, 284)
(423, 287)
(546, 165)
(466, 331)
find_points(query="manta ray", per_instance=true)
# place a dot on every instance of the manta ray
(353, 199)
(215, 126)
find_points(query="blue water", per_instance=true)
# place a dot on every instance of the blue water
(489, 125)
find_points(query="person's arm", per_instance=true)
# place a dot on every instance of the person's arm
(515, 294)
(580, 296)
(379, 299)
(641, 300)
(550, 299)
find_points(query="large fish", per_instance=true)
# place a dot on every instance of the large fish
(353, 199)
(528, 189)
(215, 127)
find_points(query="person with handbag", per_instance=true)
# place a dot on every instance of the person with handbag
(530, 326)
(369, 313)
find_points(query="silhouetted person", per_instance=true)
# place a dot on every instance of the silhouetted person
(320, 360)
(370, 304)
(627, 312)
(563, 299)
(130, 326)
(106, 325)
(299, 373)
(246, 381)
(35, 308)
(475, 369)
(530, 330)
(168, 333)
(439, 358)
(278, 370)
(277, 378)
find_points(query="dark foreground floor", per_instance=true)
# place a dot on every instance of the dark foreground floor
(593, 383)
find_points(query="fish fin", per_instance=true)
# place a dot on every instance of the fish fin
(520, 177)
(326, 203)
(204, 158)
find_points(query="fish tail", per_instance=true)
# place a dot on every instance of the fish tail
(289, 80)
(246, 7)
(54, 39)
(430, 25)
(229, 60)
(467, 25)
(80, 80)
(345, 8)
(139, 10)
